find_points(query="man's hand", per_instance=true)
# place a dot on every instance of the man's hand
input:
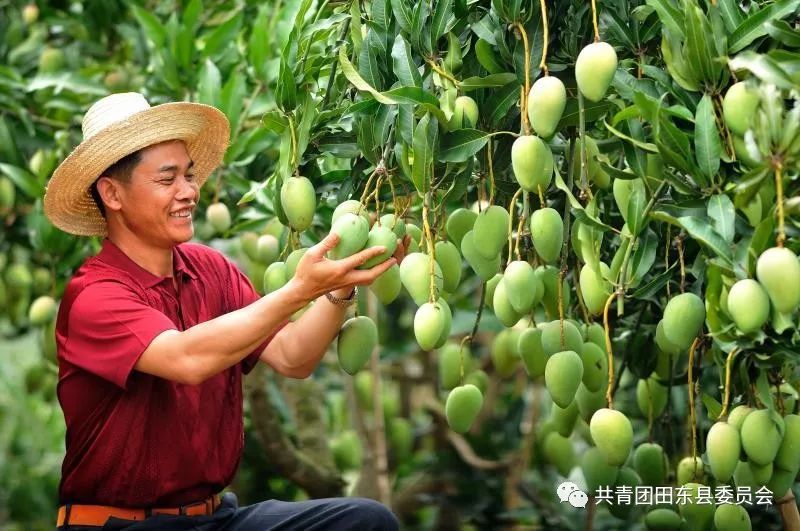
(316, 274)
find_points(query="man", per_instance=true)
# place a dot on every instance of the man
(154, 334)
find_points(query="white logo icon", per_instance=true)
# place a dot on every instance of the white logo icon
(569, 492)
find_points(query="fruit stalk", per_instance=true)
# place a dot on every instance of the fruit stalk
(545, 39)
(293, 158)
(521, 224)
(584, 169)
(779, 198)
(431, 247)
(607, 330)
(692, 413)
(727, 395)
(442, 73)
(511, 209)
(526, 126)
(491, 170)
(594, 22)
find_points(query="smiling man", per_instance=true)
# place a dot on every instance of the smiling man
(155, 334)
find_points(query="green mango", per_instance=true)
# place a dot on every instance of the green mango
(449, 260)
(651, 464)
(353, 236)
(778, 271)
(347, 450)
(564, 419)
(623, 189)
(664, 344)
(761, 473)
(491, 285)
(401, 438)
(8, 194)
(594, 171)
(551, 337)
(51, 60)
(663, 520)
(491, 232)
(415, 274)
(562, 375)
(415, 233)
(42, 281)
(380, 236)
(546, 101)
(627, 477)
(731, 517)
(42, 310)
(690, 469)
(597, 471)
(479, 379)
(248, 241)
(430, 322)
(558, 451)
(298, 200)
(505, 313)
(465, 113)
(683, 319)
(18, 278)
(275, 277)
(595, 288)
(612, 433)
(737, 415)
(529, 345)
(484, 268)
(460, 222)
(549, 276)
(529, 160)
(597, 335)
(589, 401)
(275, 228)
(743, 476)
(594, 70)
(743, 154)
(781, 481)
(505, 363)
(448, 323)
(357, 339)
(267, 249)
(523, 288)
(219, 217)
(484, 51)
(387, 286)
(788, 456)
(698, 516)
(547, 233)
(739, 106)
(762, 432)
(650, 392)
(595, 367)
(462, 407)
(396, 225)
(748, 305)
(723, 446)
(364, 385)
(452, 361)
(350, 206)
(293, 259)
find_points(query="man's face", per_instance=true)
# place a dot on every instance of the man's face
(158, 202)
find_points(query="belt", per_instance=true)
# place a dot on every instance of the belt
(98, 515)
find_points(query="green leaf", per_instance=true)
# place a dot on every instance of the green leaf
(707, 145)
(731, 13)
(191, 15)
(579, 212)
(153, 29)
(368, 66)
(353, 77)
(698, 33)
(763, 67)
(677, 64)
(636, 204)
(703, 233)
(462, 144)
(592, 112)
(222, 36)
(713, 407)
(646, 146)
(402, 14)
(490, 81)
(209, 84)
(754, 26)
(259, 44)
(500, 102)
(355, 26)
(655, 285)
(644, 256)
(442, 19)
(404, 67)
(723, 215)
(763, 390)
(783, 32)
(24, 180)
(232, 98)
(381, 13)
(670, 16)
(424, 147)
(275, 121)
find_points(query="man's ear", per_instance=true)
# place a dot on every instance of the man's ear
(109, 190)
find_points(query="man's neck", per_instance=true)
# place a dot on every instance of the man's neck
(155, 260)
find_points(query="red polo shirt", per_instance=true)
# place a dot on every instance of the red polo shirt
(133, 439)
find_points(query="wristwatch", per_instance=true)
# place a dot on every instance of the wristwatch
(343, 302)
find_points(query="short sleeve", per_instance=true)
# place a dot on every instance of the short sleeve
(243, 294)
(109, 327)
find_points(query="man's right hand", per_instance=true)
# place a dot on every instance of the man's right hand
(316, 274)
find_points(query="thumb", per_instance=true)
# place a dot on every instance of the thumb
(329, 242)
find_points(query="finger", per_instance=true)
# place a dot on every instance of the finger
(353, 261)
(329, 242)
(400, 251)
(364, 277)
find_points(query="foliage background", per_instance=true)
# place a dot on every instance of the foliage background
(275, 69)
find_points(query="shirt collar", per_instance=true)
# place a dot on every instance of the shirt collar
(114, 256)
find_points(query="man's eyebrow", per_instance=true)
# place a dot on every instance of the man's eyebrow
(173, 167)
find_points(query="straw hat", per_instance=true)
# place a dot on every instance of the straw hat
(115, 127)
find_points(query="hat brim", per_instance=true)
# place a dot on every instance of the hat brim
(68, 201)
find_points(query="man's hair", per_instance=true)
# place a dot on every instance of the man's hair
(120, 170)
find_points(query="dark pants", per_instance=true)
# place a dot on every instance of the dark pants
(329, 514)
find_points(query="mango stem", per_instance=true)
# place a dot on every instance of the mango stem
(727, 394)
(607, 331)
(692, 414)
(545, 39)
(779, 207)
